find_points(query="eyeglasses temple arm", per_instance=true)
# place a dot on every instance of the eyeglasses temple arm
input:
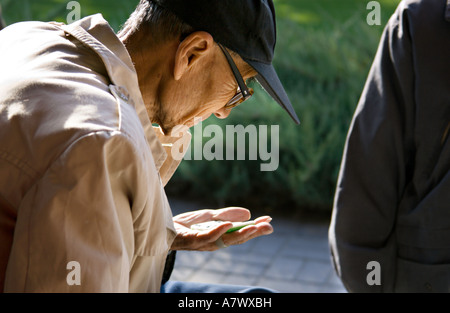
(240, 80)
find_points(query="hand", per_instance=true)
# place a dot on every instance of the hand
(188, 239)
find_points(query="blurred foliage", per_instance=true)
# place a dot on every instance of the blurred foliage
(323, 55)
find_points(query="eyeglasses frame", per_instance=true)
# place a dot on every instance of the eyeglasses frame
(244, 92)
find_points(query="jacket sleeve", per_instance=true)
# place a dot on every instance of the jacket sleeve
(74, 230)
(374, 167)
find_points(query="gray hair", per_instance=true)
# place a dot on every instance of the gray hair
(162, 24)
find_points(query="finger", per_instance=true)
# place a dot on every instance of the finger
(210, 236)
(266, 219)
(188, 239)
(264, 228)
(206, 241)
(247, 233)
(194, 217)
(253, 231)
(233, 214)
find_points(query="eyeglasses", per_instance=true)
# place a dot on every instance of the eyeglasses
(243, 92)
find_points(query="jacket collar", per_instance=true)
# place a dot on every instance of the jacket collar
(95, 32)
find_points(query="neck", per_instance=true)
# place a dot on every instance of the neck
(152, 63)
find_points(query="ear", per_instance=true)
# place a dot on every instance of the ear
(192, 50)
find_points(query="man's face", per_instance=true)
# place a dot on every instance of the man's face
(200, 88)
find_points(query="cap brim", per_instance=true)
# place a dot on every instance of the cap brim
(269, 80)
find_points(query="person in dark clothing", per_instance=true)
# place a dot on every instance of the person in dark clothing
(392, 204)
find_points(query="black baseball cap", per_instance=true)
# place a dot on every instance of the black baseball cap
(247, 27)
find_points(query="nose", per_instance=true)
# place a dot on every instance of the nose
(222, 113)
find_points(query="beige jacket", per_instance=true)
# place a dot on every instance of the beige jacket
(82, 171)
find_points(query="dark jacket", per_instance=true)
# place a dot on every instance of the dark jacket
(392, 201)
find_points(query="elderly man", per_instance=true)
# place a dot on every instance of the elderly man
(82, 201)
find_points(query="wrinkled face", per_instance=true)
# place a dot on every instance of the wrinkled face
(202, 84)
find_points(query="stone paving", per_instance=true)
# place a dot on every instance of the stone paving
(294, 259)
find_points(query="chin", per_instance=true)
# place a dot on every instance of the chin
(167, 130)
(176, 129)
(189, 123)
(180, 126)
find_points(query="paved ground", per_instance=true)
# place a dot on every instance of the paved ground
(294, 259)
